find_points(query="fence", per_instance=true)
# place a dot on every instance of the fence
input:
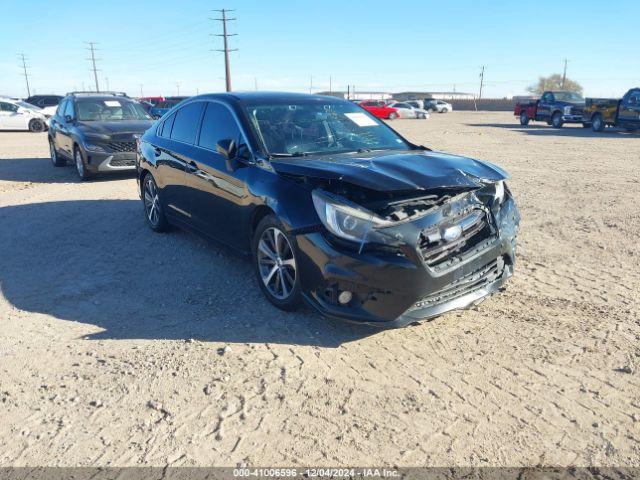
(485, 104)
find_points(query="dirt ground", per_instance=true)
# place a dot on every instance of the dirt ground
(119, 346)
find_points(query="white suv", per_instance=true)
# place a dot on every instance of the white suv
(18, 115)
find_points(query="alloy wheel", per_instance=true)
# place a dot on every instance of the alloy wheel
(53, 154)
(79, 163)
(151, 202)
(276, 263)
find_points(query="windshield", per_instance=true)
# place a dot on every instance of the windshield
(108, 110)
(291, 129)
(568, 97)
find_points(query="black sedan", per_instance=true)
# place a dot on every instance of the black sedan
(334, 207)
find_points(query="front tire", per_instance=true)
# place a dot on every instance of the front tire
(81, 167)
(36, 125)
(393, 116)
(154, 213)
(55, 158)
(524, 118)
(445, 110)
(275, 263)
(556, 120)
(597, 123)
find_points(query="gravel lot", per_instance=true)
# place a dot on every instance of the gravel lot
(123, 347)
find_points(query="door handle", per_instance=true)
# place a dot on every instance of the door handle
(192, 166)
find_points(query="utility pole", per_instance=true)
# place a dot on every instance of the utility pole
(178, 88)
(255, 83)
(564, 75)
(330, 84)
(481, 82)
(311, 84)
(92, 49)
(226, 50)
(107, 82)
(26, 75)
(141, 95)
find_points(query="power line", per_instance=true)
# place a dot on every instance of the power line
(226, 50)
(25, 73)
(92, 49)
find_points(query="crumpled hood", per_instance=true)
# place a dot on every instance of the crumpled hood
(384, 171)
(116, 127)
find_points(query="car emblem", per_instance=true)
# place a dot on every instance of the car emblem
(451, 234)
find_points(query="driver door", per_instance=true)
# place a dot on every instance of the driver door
(10, 119)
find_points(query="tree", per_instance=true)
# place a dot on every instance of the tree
(554, 82)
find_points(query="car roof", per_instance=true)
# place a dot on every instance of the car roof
(251, 97)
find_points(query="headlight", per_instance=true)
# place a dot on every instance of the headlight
(499, 192)
(567, 110)
(345, 219)
(94, 148)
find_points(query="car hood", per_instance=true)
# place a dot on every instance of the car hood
(395, 171)
(115, 127)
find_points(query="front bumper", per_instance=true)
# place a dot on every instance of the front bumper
(110, 162)
(395, 289)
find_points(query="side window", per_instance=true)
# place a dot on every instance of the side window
(164, 130)
(68, 108)
(218, 124)
(61, 106)
(8, 107)
(185, 124)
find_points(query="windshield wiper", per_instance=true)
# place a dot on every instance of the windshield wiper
(289, 155)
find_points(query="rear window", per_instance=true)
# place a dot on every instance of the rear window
(185, 125)
(164, 130)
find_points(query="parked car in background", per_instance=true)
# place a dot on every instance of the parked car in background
(439, 106)
(624, 113)
(146, 105)
(554, 107)
(334, 207)
(405, 110)
(97, 131)
(19, 115)
(416, 104)
(164, 106)
(380, 109)
(48, 103)
(152, 100)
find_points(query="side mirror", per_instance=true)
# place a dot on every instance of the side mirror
(228, 149)
(68, 118)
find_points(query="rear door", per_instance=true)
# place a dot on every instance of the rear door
(63, 134)
(175, 149)
(217, 193)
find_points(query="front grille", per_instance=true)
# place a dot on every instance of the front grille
(436, 249)
(122, 162)
(468, 284)
(122, 146)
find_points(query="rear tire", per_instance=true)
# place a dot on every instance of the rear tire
(556, 120)
(524, 119)
(445, 110)
(36, 125)
(55, 158)
(154, 213)
(275, 256)
(597, 123)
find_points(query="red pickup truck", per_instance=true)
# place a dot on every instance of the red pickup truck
(380, 109)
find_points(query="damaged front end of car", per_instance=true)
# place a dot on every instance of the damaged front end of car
(392, 258)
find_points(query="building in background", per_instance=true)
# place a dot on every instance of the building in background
(359, 95)
(402, 96)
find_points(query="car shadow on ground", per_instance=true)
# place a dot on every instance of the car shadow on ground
(566, 131)
(41, 170)
(97, 262)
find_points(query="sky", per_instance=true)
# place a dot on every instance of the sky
(167, 47)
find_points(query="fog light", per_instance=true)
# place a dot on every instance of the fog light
(345, 297)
